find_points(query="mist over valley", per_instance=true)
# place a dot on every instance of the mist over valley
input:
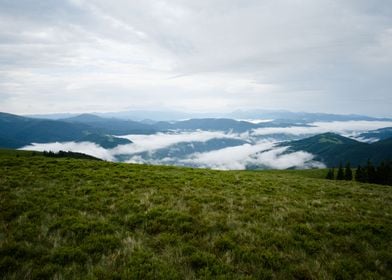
(216, 143)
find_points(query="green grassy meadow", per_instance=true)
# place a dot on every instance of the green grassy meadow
(64, 218)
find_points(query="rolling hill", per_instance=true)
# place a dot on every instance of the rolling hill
(209, 124)
(331, 149)
(111, 125)
(221, 124)
(17, 131)
(299, 117)
(69, 218)
(169, 115)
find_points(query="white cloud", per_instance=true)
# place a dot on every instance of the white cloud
(347, 128)
(142, 143)
(256, 121)
(278, 159)
(261, 155)
(227, 158)
(80, 147)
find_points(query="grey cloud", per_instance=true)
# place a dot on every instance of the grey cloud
(314, 55)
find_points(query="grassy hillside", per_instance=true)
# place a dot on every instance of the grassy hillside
(82, 219)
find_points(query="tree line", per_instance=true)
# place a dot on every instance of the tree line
(381, 174)
(68, 154)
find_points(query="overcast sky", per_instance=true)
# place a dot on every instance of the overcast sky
(196, 55)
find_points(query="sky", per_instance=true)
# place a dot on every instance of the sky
(196, 56)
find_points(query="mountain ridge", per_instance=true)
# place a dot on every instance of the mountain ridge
(112, 125)
(329, 148)
(284, 115)
(332, 149)
(17, 131)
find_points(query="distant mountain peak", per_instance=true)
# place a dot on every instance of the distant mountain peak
(329, 138)
(86, 117)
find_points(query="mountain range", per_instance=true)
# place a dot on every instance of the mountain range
(17, 131)
(111, 125)
(155, 116)
(329, 148)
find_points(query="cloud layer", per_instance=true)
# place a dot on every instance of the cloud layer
(255, 148)
(346, 128)
(207, 55)
(260, 155)
(143, 143)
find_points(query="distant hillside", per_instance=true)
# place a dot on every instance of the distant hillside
(211, 124)
(21, 130)
(378, 134)
(220, 124)
(105, 141)
(51, 116)
(332, 149)
(293, 117)
(112, 125)
(302, 117)
(12, 143)
(17, 131)
(173, 154)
